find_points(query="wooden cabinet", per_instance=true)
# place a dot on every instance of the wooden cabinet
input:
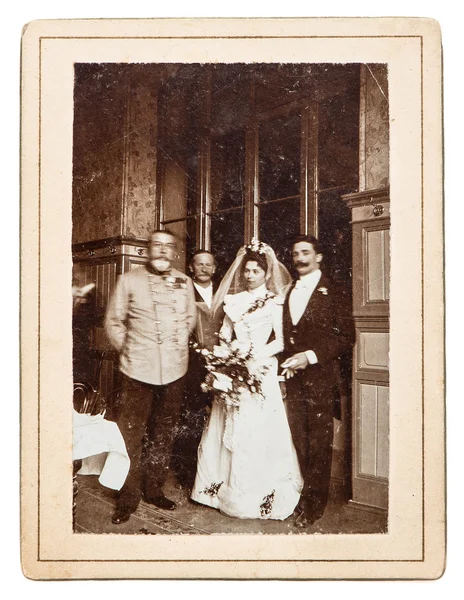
(371, 293)
(100, 262)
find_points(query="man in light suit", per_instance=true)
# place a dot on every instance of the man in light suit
(196, 402)
(149, 321)
(318, 329)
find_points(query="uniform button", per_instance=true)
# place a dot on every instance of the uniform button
(159, 341)
(158, 332)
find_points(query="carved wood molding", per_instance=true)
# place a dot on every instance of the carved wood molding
(366, 197)
(368, 205)
(108, 247)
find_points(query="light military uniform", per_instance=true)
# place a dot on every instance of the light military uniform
(149, 320)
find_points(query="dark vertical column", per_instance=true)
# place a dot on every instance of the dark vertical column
(251, 182)
(204, 219)
(309, 164)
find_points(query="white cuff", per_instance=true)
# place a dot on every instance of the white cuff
(312, 358)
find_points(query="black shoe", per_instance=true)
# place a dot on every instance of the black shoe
(304, 520)
(162, 502)
(121, 515)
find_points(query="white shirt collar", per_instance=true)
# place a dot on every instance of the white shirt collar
(205, 292)
(310, 279)
(200, 287)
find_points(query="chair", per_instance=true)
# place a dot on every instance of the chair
(86, 395)
(86, 390)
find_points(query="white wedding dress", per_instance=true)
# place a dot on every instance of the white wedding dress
(247, 464)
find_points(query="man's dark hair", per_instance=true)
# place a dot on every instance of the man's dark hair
(197, 252)
(310, 239)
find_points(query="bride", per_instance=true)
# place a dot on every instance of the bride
(247, 465)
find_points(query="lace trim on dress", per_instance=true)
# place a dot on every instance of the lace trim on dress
(238, 306)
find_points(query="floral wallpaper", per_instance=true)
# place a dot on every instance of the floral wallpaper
(114, 151)
(140, 189)
(375, 123)
(98, 151)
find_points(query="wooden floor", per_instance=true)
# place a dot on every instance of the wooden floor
(95, 505)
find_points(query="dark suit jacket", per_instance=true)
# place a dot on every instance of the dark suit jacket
(326, 327)
(205, 333)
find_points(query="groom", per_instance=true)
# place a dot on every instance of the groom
(317, 328)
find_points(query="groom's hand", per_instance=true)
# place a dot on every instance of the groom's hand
(297, 362)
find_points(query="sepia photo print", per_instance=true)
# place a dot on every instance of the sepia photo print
(233, 286)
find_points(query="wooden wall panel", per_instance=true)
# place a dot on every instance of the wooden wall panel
(371, 449)
(383, 445)
(375, 264)
(373, 430)
(367, 411)
(372, 350)
(371, 253)
(371, 292)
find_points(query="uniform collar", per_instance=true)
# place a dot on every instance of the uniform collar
(153, 271)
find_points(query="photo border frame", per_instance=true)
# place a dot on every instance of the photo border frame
(49, 50)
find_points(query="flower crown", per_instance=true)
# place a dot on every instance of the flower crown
(256, 246)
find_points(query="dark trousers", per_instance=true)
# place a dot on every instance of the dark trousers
(192, 422)
(311, 424)
(147, 416)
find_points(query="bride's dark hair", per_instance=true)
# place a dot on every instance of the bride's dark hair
(277, 276)
(258, 257)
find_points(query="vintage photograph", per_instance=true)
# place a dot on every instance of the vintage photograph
(234, 365)
(205, 198)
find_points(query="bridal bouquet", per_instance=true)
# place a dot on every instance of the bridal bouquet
(229, 375)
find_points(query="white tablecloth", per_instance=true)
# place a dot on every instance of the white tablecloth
(101, 447)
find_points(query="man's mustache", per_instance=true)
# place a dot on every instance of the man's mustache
(300, 263)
